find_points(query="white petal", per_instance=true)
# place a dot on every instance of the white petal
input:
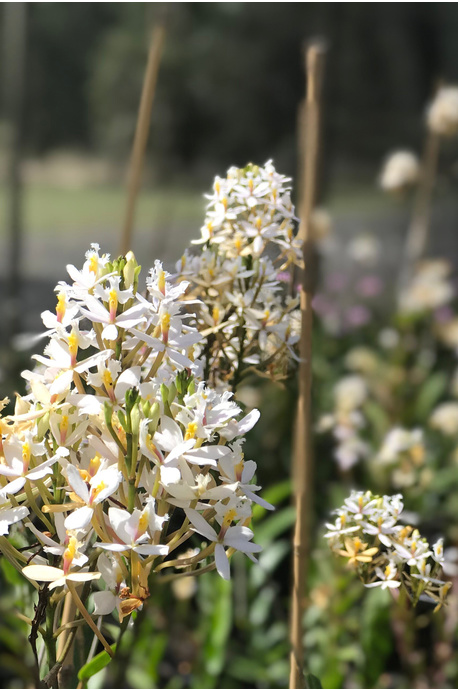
(222, 562)
(42, 573)
(79, 519)
(152, 549)
(118, 548)
(83, 577)
(104, 603)
(110, 332)
(201, 524)
(78, 485)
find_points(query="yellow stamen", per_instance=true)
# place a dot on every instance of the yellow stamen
(165, 322)
(96, 490)
(85, 476)
(161, 281)
(107, 380)
(113, 304)
(73, 347)
(191, 431)
(229, 517)
(142, 523)
(94, 464)
(94, 264)
(215, 314)
(61, 306)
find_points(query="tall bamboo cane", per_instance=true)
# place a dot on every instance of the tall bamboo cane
(302, 457)
(141, 133)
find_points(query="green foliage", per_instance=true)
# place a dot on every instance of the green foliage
(99, 662)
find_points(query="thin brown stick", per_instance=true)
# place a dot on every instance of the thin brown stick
(68, 615)
(302, 457)
(141, 133)
(417, 235)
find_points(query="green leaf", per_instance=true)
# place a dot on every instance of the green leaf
(430, 394)
(312, 681)
(271, 528)
(95, 665)
(275, 495)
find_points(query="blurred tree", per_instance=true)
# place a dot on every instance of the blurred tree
(231, 78)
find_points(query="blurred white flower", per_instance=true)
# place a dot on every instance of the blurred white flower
(442, 114)
(400, 170)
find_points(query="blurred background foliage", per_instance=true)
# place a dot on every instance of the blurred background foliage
(230, 84)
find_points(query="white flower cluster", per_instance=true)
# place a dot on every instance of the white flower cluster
(385, 553)
(405, 449)
(430, 288)
(346, 421)
(121, 453)
(247, 250)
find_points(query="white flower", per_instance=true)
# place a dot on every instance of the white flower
(131, 532)
(56, 576)
(386, 577)
(364, 249)
(98, 313)
(350, 393)
(102, 485)
(445, 418)
(399, 441)
(401, 169)
(442, 115)
(237, 537)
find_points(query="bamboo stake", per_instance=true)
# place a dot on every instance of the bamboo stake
(66, 672)
(417, 235)
(302, 457)
(141, 133)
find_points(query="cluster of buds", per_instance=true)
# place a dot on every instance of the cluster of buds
(121, 457)
(243, 275)
(385, 553)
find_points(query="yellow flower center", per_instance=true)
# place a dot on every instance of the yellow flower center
(215, 314)
(61, 306)
(25, 456)
(165, 322)
(161, 281)
(191, 431)
(73, 347)
(93, 264)
(69, 554)
(229, 517)
(96, 490)
(113, 304)
(107, 379)
(387, 571)
(94, 464)
(142, 523)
